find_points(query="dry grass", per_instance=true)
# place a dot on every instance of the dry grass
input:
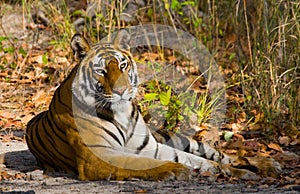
(257, 41)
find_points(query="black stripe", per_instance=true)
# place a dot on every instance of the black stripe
(101, 53)
(113, 136)
(57, 100)
(212, 157)
(222, 155)
(135, 117)
(118, 126)
(167, 137)
(176, 156)
(78, 103)
(187, 148)
(135, 80)
(185, 142)
(99, 146)
(83, 72)
(103, 137)
(88, 81)
(51, 120)
(54, 128)
(44, 154)
(101, 127)
(55, 148)
(64, 98)
(34, 120)
(201, 150)
(105, 130)
(133, 112)
(33, 147)
(156, 151)
(145, 142)
(41, 141)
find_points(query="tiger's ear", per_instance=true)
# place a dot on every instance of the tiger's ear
(80, 46)
(121, 40)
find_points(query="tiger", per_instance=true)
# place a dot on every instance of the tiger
(94, 130)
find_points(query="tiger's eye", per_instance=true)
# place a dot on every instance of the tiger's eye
(123, 66)
(100, 72)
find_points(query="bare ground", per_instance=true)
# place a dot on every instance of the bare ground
(22, 175)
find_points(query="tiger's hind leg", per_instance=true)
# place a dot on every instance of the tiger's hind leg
(225, 163)
(189, 145)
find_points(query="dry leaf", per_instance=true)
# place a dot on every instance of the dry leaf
(251, 145)
(150, 56)
(141, 191)
(18, 176)
(6, 137)
(236, 127)
(7, 114)
(172, 59)
(259, 117)
(275, 146)
(287, 157)
(295, 142)
(242, 117)
(39, 97)
(26, 118)
(237, 142)
(285, 140)
(264, 186)
(37, 59)
(231, 38)
(206, 174)
(230, 151)
(61, 60)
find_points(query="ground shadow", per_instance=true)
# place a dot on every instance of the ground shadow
(22, 161)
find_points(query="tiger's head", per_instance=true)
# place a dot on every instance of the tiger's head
(107, 76)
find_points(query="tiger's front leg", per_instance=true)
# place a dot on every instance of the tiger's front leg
(95, 168)
(167, 153)
(115, 165)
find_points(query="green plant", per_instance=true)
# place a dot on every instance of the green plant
(160, 98)
(6, 49)
(188, 107)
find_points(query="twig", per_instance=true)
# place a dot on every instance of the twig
(248, 32)
(5, 34)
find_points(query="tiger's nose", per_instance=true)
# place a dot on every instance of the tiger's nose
(119, 90)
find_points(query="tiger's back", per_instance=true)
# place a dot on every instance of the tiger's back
(46, 133)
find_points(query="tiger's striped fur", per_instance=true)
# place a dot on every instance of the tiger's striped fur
(93, 130)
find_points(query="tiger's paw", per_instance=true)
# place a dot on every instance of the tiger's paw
(252, 168)
(209, 166)
(171, 171)
(243, 174)
(265, 166)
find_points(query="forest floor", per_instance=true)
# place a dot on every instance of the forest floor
(20, 174)
(25, 90)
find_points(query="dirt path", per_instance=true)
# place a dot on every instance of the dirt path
(23, 176)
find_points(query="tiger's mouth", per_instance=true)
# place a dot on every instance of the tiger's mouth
(106, 100)
(118, 97)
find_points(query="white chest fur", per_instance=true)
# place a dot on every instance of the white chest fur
(122, 112)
